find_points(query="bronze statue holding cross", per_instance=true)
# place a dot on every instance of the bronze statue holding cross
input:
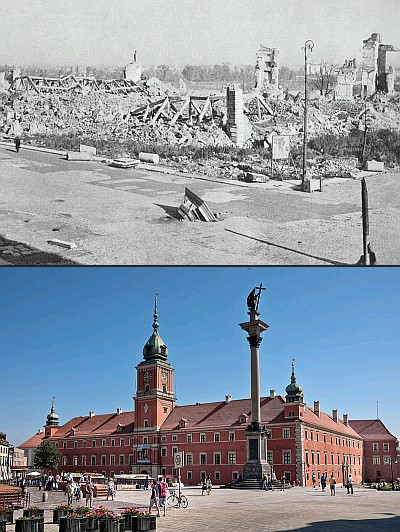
(253, 299)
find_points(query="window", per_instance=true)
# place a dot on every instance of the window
(216, 436)
(287, 457)
(306, 434)
(75, 445)
(189, 438)
(331, 440)
(93, 443)
(189, 475)
(235, 475)
(338, 459)
(112, 473)
(203, 459)
(103, 459)
(174, 450)
(64, 444)
(122, 442)
(312, 436)
(174, 472)
(386, 460)
(325, 458)
(217, 458)
(332, 458)
(146, 423)
(324, 438)
(64, 460)
(121, 459)
(103, 443)
(163, 471)
(312, 457)
(93, 459)
(307, 458)
(165, 409)
(163, 451)
(112, 459)
(84, 460)
(317, 436)
(74, 460)
(84, 443)
(217, 475)
(231, 436)
(174, 437)
(386, 447)
(131, 459)
(112, 443)
(202, 438)
(189, 458)
(318, 459)
(147, 388)
(131, 441)
(145, 440)
(232, 457)
(286, 433)
(375, 446)
(164, 388)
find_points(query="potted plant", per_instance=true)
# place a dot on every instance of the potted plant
(145, 521)
(129, 514)
(108, 520)
(73, 522)
(33, 511)
(7, 514)
(83, 510)
(60, 511)
(92, 520)
(29, 524)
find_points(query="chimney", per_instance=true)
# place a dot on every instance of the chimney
(346, 420)
(316, 408)
(91, 413)
(228, 398)
(272, 393)
(334, 415)
(119, 411)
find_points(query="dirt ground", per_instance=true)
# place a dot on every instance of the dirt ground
(115, 216)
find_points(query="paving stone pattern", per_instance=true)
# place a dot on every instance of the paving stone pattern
(298, 509)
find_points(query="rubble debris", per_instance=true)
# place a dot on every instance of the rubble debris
(346, 77)
(238, 124)
(133, 71)
(375, 166)
(376, 75)
(125, 162)
(62, 243)
(252, 177)
(153, 158)
(266, 70)
(79, 156)
(194, 208)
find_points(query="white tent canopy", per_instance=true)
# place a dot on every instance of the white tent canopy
(33, 474)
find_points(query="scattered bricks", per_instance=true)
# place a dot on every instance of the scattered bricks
(62, 244)
(375, 166)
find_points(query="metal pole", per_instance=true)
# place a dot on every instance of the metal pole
(308, 47)
(365, 220)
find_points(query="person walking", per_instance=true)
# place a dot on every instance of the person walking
(162, 495)
(332, 485)
(314, 480)
(283, 480)
(264, 483)
(110, 489)
(17, 143)
(146, 483)
(78, 491)
(208, 485)
(70, 491)
(89, 493)
(154, 498)
(203, 486)
(350, 482)
(323, 481)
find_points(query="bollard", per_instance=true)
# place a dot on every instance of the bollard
(45, 496)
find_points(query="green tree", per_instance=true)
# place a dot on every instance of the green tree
(47, 456)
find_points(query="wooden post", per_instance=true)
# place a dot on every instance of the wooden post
(365, 220)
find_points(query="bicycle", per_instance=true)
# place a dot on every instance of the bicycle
(174, 501)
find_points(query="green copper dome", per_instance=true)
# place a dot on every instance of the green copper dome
(294, 392)
(52, 418)
(155, 347)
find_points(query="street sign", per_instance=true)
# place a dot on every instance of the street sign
(280, 147)
(179, 459)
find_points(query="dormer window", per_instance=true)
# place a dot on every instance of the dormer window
(183, 423)
(243, 418)
(72, 432)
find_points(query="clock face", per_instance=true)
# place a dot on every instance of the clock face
(164, 376)
(147, 376)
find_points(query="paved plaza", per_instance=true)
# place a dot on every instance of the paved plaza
(296, 509)
(115, 216)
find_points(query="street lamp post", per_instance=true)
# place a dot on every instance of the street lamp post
(308, 48)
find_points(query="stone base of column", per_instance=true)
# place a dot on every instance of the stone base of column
(256, 465)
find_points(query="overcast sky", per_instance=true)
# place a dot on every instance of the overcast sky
(106, 32)
(78, 333)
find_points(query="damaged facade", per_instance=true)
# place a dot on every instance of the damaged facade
(266, 71)
(133, 71)
(376, 74)
(346, 77)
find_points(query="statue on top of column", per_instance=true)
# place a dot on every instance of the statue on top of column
(253, 299)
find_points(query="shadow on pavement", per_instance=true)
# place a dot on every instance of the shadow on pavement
(359, 525)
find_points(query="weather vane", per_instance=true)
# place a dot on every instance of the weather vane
(253, 299)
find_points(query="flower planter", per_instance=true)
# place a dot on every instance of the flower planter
(109, 525)
(7, 516)
(121, 524)
(73, 524)
(35, 524)
(146, 523)
(3, 526)
(92, 523)
(57, 514)
(33, 513)
(128, 521)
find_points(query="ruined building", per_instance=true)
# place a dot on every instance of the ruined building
(266, 70)
(133, 71)
(238, 125)
(376, 75)
(346, 76)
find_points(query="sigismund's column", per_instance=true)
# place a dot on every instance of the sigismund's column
(256, 436)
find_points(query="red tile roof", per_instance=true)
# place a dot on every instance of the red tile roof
(101, 425)
(326, 422)
(33, 442)
(371, 429)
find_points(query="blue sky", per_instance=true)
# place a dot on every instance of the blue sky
(95, 32)
(78, 333)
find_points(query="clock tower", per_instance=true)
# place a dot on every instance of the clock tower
(154, 399)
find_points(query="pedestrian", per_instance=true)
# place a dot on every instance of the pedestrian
(208, 485)
(314, 480)
(204, 486)
(17, 143)
(89, 493)
(162, 495)
(323, 481)
(350, 482)
(154, 498)
(283, 479)
(265, 483)
(146, 483)
(332, 483)
(110, 489)
(70, 491)
(78, 491)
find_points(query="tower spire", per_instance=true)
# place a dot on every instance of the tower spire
(52, 418)
(155, 347)
(294, 392)
(155, 322)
